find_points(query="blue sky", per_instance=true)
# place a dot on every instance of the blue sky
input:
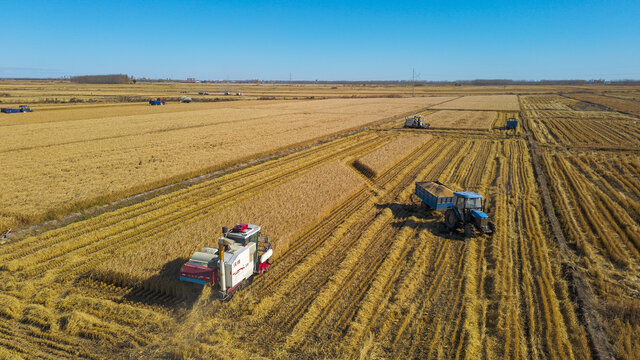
(324, 40)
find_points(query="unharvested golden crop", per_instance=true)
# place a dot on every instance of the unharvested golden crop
(281, 212)
(61, 165)
(376, 162)
(460, 120)
(482, 102)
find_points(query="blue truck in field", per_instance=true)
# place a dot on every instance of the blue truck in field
(462, 209)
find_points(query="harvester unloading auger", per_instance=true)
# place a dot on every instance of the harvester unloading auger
(242, 252)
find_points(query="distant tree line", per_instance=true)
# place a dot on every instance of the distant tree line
(101, 79)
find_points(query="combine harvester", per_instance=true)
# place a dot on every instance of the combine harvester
(415, 122)
(241, 253)
(462, 209)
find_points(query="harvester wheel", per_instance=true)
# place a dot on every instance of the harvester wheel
(469, 230)
(451, 219)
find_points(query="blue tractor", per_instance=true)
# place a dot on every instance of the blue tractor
(467, 212)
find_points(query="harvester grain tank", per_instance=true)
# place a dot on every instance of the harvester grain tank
(241, 253)
(415, 122)
(462, 209)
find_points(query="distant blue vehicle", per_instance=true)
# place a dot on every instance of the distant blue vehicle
(21, 109)
(512, 124)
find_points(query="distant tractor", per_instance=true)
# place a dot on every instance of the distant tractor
(512, 124)
(157, 101)
(20, 109)
(238, 93)
(186, 99)
(462, 209)
(415, 122)
(242, 252)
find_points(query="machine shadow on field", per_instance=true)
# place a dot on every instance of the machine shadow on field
(165, 288)
(428, 219)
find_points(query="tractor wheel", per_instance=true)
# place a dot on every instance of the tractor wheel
(492, 227)
(469, 230)
(451, 219)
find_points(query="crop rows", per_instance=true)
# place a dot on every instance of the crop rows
(596, 196)
(461, 120)
(421, 294)
(482, 102)
(58, 257)
(579, 129)
(376, 162)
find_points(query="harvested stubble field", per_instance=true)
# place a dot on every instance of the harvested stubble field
(585, 129)
(380, 160)
(366, 273)
(629, 106)
(461, 120)
(596, 194)
(121, 155)
(482, 102)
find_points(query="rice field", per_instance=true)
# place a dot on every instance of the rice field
(376, 162)
(482, 102)
(361, 270)
(461, 120)
(123, 155)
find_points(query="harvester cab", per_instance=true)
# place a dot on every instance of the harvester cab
(468, 212)
(242, 252)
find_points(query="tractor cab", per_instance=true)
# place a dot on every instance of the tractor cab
(468, 201)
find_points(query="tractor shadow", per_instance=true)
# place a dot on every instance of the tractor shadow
(165, 289)
(428, 219)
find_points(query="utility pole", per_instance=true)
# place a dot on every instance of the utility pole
(413, 83)
(289, 77)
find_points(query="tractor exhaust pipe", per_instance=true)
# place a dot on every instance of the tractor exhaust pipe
(223, 283)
